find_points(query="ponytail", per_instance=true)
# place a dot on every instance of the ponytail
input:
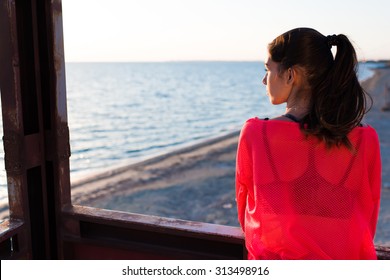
(338, 102)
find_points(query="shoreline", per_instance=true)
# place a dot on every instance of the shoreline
(79, 180)
(159, 185)
(196, 181)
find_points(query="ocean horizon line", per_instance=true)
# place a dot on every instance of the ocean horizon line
(206, 61)
(167, 61)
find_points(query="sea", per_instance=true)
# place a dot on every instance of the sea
(120, 113)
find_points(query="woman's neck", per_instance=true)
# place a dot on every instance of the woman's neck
(298, 103)
(297, 111)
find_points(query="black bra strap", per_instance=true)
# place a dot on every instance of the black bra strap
(291, 117)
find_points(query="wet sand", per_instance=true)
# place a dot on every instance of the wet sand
(197, 182)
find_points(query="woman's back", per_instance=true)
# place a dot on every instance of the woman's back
(298, 199)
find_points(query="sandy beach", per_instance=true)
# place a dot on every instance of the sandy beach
(197, 182)
(193, 183)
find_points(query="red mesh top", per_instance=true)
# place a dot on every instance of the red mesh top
(298, 200)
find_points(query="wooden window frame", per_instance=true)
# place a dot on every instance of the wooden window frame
(43, 223)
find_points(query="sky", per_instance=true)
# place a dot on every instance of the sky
(228, 30)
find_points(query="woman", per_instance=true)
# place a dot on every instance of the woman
(308, 182)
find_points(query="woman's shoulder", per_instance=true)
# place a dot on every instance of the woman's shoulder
(367, 131)
(252, 126)
(254, 123)
(370, 133)
(255, 120)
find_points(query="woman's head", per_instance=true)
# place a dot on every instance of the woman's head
(337, 103)
(302, 47)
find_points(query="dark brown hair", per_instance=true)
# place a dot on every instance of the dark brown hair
(338, 102)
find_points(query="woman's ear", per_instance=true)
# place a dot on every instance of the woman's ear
(290, 75)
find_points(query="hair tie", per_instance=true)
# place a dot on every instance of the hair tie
(332, 40)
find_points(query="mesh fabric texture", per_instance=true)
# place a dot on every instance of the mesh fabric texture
(297, 199)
